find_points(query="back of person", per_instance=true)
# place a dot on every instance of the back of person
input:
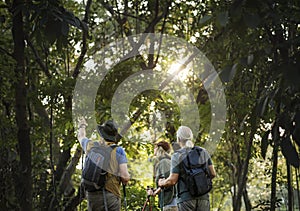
(110, 179)
(109, 197)
(167, 197)
(183, 193)
(163, 171)
(185, 200)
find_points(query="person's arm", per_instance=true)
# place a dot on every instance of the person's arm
(174, 173)
(123, 169)
(212, 171)
(124, 174)
(81, 129)
(81, 135)
(170, 181)
(157, 191)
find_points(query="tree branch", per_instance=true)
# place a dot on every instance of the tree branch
(65, 185)
(84, 25)
(38, 58)
(111, 10)
(6, 52)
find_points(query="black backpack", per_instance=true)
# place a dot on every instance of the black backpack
(196, 175)
(96, 165)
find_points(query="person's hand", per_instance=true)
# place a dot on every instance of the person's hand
(81, 129)
(161, 182)
(82, 122)
(149, 191)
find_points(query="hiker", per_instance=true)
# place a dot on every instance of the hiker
(167, 198)
(108, 198)
(185, 201)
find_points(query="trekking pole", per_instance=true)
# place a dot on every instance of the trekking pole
(150, 205)
(162, 194)
(162, 198)
(124, 192)
(145, 204)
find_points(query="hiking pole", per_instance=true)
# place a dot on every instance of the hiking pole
(162, 198)
(124, 192)
(162, 194)
(146, 202)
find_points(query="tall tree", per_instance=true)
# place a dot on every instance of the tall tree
(24, 144)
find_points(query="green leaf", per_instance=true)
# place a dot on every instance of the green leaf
(222, 18)
(64, 29)
(71, 19)
(250, 59)
(262, 104)
(228, 73)
(289, 152)
(204, 19)
(52, 29)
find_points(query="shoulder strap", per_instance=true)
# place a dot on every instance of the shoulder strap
(182, 153)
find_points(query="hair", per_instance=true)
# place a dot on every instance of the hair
(185, 136)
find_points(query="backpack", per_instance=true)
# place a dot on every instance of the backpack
(196, 175)
(96, 166)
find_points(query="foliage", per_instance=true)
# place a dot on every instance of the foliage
(254, 46)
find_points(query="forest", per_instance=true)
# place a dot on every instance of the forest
(229, 69)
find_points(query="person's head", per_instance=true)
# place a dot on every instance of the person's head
(185, 136)
(109, 131)
(175, 146)
(162, 148)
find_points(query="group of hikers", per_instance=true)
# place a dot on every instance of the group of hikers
(178, 186)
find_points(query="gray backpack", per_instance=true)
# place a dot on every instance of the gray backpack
(95, 167)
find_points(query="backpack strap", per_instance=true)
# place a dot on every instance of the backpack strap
(113, 150)
(183, 152)
(198, 150)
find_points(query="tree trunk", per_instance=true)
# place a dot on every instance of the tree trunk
(298, 187)
(274, 176)
(75, 201)
(65, 186)
(290, 188)
(247, 200)
(24, 191)
(242, 179)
